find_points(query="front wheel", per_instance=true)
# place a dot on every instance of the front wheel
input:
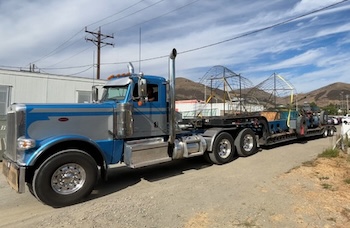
(223, 149)
(65, 178)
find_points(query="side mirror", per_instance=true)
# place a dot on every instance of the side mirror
(94, 94)
(142, 87)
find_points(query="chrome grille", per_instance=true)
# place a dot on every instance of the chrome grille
(15, 128)
(11, 139)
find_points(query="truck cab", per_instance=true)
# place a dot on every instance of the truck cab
(145, 118)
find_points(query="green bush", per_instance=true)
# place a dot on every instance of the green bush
(329, 153)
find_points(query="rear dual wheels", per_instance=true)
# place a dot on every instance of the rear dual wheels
(64, 178)
(224, 147)
(330, 132)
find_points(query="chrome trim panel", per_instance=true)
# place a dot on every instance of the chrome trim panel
(123, 121)
(144, 152)
(189, 146)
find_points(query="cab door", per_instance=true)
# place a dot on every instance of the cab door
(150, 117)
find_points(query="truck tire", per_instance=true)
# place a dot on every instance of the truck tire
(330, 132)
(223, 149)
(301, 127)
(65, 178)
(325, 133)
(245, 142)
(323, 118)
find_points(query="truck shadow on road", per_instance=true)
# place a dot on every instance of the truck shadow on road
(122, 177)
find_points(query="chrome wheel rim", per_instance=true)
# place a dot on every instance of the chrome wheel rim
(248, 142)
(68, 178)
(225, 148)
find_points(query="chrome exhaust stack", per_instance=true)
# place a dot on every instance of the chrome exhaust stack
(130, 68)
(172, 123)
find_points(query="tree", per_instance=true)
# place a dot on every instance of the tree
(332, 109)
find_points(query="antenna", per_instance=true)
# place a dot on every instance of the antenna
(140, 50)
(93, 64)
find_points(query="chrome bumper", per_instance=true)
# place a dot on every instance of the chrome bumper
(14, 174)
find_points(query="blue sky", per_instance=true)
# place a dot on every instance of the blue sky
(310, 52)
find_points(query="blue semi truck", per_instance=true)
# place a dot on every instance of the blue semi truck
(59, 151)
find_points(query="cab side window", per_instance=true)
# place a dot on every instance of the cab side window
(152, 92)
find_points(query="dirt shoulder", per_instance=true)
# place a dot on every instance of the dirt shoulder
(323, 187)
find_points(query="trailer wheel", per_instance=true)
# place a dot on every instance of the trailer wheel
(223, 149)
(245, 142)
(325, 133)
(330, 132)
(65, 178)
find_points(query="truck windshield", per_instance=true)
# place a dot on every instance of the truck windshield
(116, 93)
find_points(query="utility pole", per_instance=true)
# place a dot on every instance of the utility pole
(98, 41)
(347, 103)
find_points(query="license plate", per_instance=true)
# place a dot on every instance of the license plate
(12, 173)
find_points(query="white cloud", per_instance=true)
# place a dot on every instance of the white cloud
(38, 27)
(305, 5)
(334, 30)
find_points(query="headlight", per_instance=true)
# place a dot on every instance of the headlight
(25, 144)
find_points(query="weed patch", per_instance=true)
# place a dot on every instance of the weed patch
(329, 153)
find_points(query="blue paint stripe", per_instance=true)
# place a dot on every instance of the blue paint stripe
(73, 114)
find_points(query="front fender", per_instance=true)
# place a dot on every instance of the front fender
(51, 142)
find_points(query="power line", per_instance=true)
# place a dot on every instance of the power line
(265, 28)
(65, 68)
(220, 42)
(181, 7)
(81, 71)
(55, 50)
(85, 49)
(115, 13)
(133, 13)
(162, 15)
(242, 35)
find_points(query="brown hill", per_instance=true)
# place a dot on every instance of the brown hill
(335, 93)
(190, 90)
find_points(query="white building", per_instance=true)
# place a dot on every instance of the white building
(32, 87)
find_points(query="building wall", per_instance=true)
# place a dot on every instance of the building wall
(29, 87)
